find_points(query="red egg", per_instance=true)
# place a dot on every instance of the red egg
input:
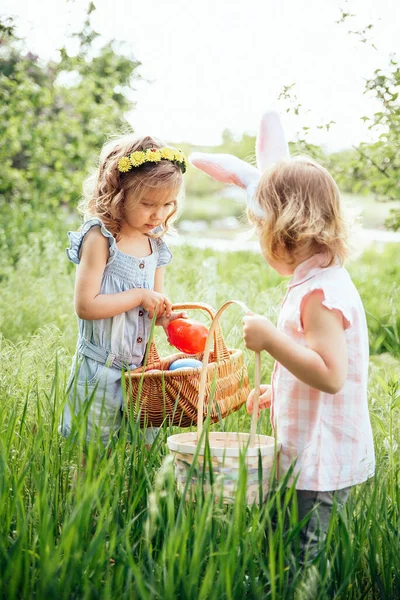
(187, 335)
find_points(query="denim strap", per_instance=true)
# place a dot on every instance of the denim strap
(101, 355)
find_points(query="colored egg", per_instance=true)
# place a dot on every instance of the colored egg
(188, 335)
(185, 363)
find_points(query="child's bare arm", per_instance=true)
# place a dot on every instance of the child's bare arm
(323, 363)
(324, 332)
(89, 303)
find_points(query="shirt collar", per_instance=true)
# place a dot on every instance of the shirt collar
(308, 269)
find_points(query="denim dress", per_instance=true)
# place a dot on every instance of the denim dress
(105, 346)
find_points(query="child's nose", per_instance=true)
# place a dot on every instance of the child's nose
(157, 213)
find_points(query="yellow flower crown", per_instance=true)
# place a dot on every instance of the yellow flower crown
(152, 155)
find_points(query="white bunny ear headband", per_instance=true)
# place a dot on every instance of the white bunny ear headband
(271, 146)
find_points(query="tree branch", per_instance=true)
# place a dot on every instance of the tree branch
(383, 171)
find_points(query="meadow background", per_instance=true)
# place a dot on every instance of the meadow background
(121, 530)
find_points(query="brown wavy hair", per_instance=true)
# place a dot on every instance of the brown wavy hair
(105, 190)
(303, 212)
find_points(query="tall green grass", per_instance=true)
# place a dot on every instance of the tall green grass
(118, 528)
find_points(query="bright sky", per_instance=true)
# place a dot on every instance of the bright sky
(208, 65)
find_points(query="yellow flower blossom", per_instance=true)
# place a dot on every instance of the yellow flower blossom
(153, 155)
(167, 153)
(137, 158)
(178, 156)
(124, 164)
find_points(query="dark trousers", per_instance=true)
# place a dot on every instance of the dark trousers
(320, 505)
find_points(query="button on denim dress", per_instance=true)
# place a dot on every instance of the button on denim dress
(105, 346)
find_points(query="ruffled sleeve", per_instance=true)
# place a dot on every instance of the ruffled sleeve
(76, 239)
(334, 303)
(164, 254)
(335, 299)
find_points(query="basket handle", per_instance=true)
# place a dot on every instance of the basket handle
(193, 305)
(221, 352)
(203, 378)
(254, 416)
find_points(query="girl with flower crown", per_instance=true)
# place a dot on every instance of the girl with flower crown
(129, 204)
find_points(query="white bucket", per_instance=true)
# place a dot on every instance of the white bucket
(230, 453)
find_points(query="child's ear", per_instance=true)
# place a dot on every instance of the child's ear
(271, 144)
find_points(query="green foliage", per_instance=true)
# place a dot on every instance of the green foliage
(344, 167)
(119, 528)
(369, 168)
(211, 208)
(377, 278)
(55, 117)
(376, 167)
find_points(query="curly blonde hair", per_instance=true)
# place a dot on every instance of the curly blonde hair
(303, 212)
(105, 190)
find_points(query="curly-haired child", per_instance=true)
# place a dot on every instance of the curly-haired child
(129, 204)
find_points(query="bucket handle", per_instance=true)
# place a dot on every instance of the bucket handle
(203, 377)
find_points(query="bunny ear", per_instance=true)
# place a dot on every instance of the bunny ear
(271, 144)
(226, 168)
(230, 169)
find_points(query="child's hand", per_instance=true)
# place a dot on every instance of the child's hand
(257, 331)
(165, 320)
(156, 303)
(263, 402)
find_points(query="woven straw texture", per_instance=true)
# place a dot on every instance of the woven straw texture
(226, 464)
(229, 453)
(172, 396)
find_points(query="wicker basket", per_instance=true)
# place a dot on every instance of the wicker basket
(229, 452)
(172, 396)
